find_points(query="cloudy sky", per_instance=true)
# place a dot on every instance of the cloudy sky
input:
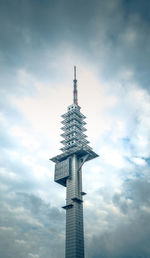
(109, 42)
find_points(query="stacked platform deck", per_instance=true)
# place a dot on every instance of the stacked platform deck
(74, 138)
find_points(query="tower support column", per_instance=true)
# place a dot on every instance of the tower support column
(74, 213)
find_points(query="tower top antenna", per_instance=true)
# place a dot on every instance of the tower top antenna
(74, 72)
(75, 92)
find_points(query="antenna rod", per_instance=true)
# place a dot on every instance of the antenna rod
(75, 92)
(74, 72)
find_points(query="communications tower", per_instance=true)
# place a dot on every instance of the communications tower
(68, 173)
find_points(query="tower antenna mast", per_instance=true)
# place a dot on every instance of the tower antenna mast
(75, 91)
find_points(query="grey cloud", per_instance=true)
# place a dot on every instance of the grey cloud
(121, 202)
(31, 226)
(137, 191)
(127, 239)
(115, 35)
(124, 229)
(122, 42)
(127, 235)
(41, 209)
(140, 191)
(14, 173)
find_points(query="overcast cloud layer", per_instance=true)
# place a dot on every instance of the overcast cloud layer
(109, 42)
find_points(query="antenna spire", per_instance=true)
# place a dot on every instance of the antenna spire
(75, 92)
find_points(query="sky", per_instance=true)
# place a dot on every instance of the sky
(109, 42)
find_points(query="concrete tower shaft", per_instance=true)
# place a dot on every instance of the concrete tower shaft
(74, 213)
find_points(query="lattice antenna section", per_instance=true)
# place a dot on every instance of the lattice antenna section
(75, 91)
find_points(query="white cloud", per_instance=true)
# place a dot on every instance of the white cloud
(20, 242)
(9, 174)
(6, 228)
(25, 137)
(33, 255)
(139, 161)
(112, 156)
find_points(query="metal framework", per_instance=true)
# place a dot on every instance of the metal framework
(68, 172)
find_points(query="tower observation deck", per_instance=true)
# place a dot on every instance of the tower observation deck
(68, 173)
